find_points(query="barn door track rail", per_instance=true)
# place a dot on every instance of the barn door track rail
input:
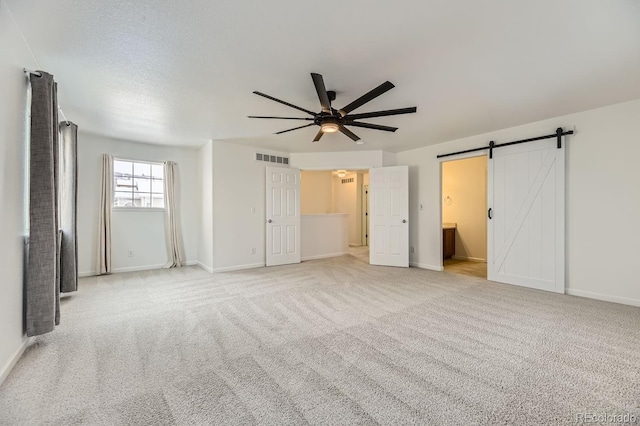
(492, 145)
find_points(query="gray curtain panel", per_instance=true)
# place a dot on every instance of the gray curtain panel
(103, 255)
(68, 191)
(173, 232)
(42, 289)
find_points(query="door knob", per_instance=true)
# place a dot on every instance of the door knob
(269, 221)
(404, 220)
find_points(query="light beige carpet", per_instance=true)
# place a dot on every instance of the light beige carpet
(332, 341)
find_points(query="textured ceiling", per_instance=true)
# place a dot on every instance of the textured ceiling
(182, 73)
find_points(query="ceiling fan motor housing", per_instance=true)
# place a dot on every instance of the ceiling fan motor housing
(325, 118)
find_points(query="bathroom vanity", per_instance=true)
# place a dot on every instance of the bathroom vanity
(448, 240)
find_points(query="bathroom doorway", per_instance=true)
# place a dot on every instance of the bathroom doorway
(464, 216)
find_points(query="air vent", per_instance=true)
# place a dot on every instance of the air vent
(272, 159)
(349, 180)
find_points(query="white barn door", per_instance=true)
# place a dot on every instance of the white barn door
(526, 215)
(389, 216)
(283, 216)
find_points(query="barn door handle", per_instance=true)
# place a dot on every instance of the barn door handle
(269, 221)
(490, 214)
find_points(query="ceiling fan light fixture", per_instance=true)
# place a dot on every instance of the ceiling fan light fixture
(330, 127)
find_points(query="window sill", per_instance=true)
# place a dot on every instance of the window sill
(137, 209)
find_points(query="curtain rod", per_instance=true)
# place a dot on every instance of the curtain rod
(28, 71)
(37, 73)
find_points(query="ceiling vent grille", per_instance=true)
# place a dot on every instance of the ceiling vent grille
(272, 159)
(348, 180)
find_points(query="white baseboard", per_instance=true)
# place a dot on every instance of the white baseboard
(324, 256)
(604, 297)
(425, 266)
(134, 269)
(138, 268)
(238, 267)
(6, 369)
(205, 267)
(472, 259)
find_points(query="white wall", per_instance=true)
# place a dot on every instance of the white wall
(323, 235)
(13, 57)
(602, 198)
(389, 159)
(316, 191)
(347, 199)
(340, 160)
(465, 183)
(205, 231)
(238, 187)
(141, 231)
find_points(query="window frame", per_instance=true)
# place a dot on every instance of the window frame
(140, 208)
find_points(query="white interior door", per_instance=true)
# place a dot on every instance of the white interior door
(389, 216)
(283, 216)
(526, 216)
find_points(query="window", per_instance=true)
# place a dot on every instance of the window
(138, 184)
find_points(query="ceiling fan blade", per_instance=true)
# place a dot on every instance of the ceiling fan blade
(318, 135)
(384, 87)
(371, 126)
(295, 128)
(318, 81)
(349, 133)
(381, 113)
(281, 118)
(284, 103)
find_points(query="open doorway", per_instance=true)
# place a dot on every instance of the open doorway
(464, 216)
(334, 211)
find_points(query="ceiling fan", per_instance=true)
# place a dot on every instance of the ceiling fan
(332, 120)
